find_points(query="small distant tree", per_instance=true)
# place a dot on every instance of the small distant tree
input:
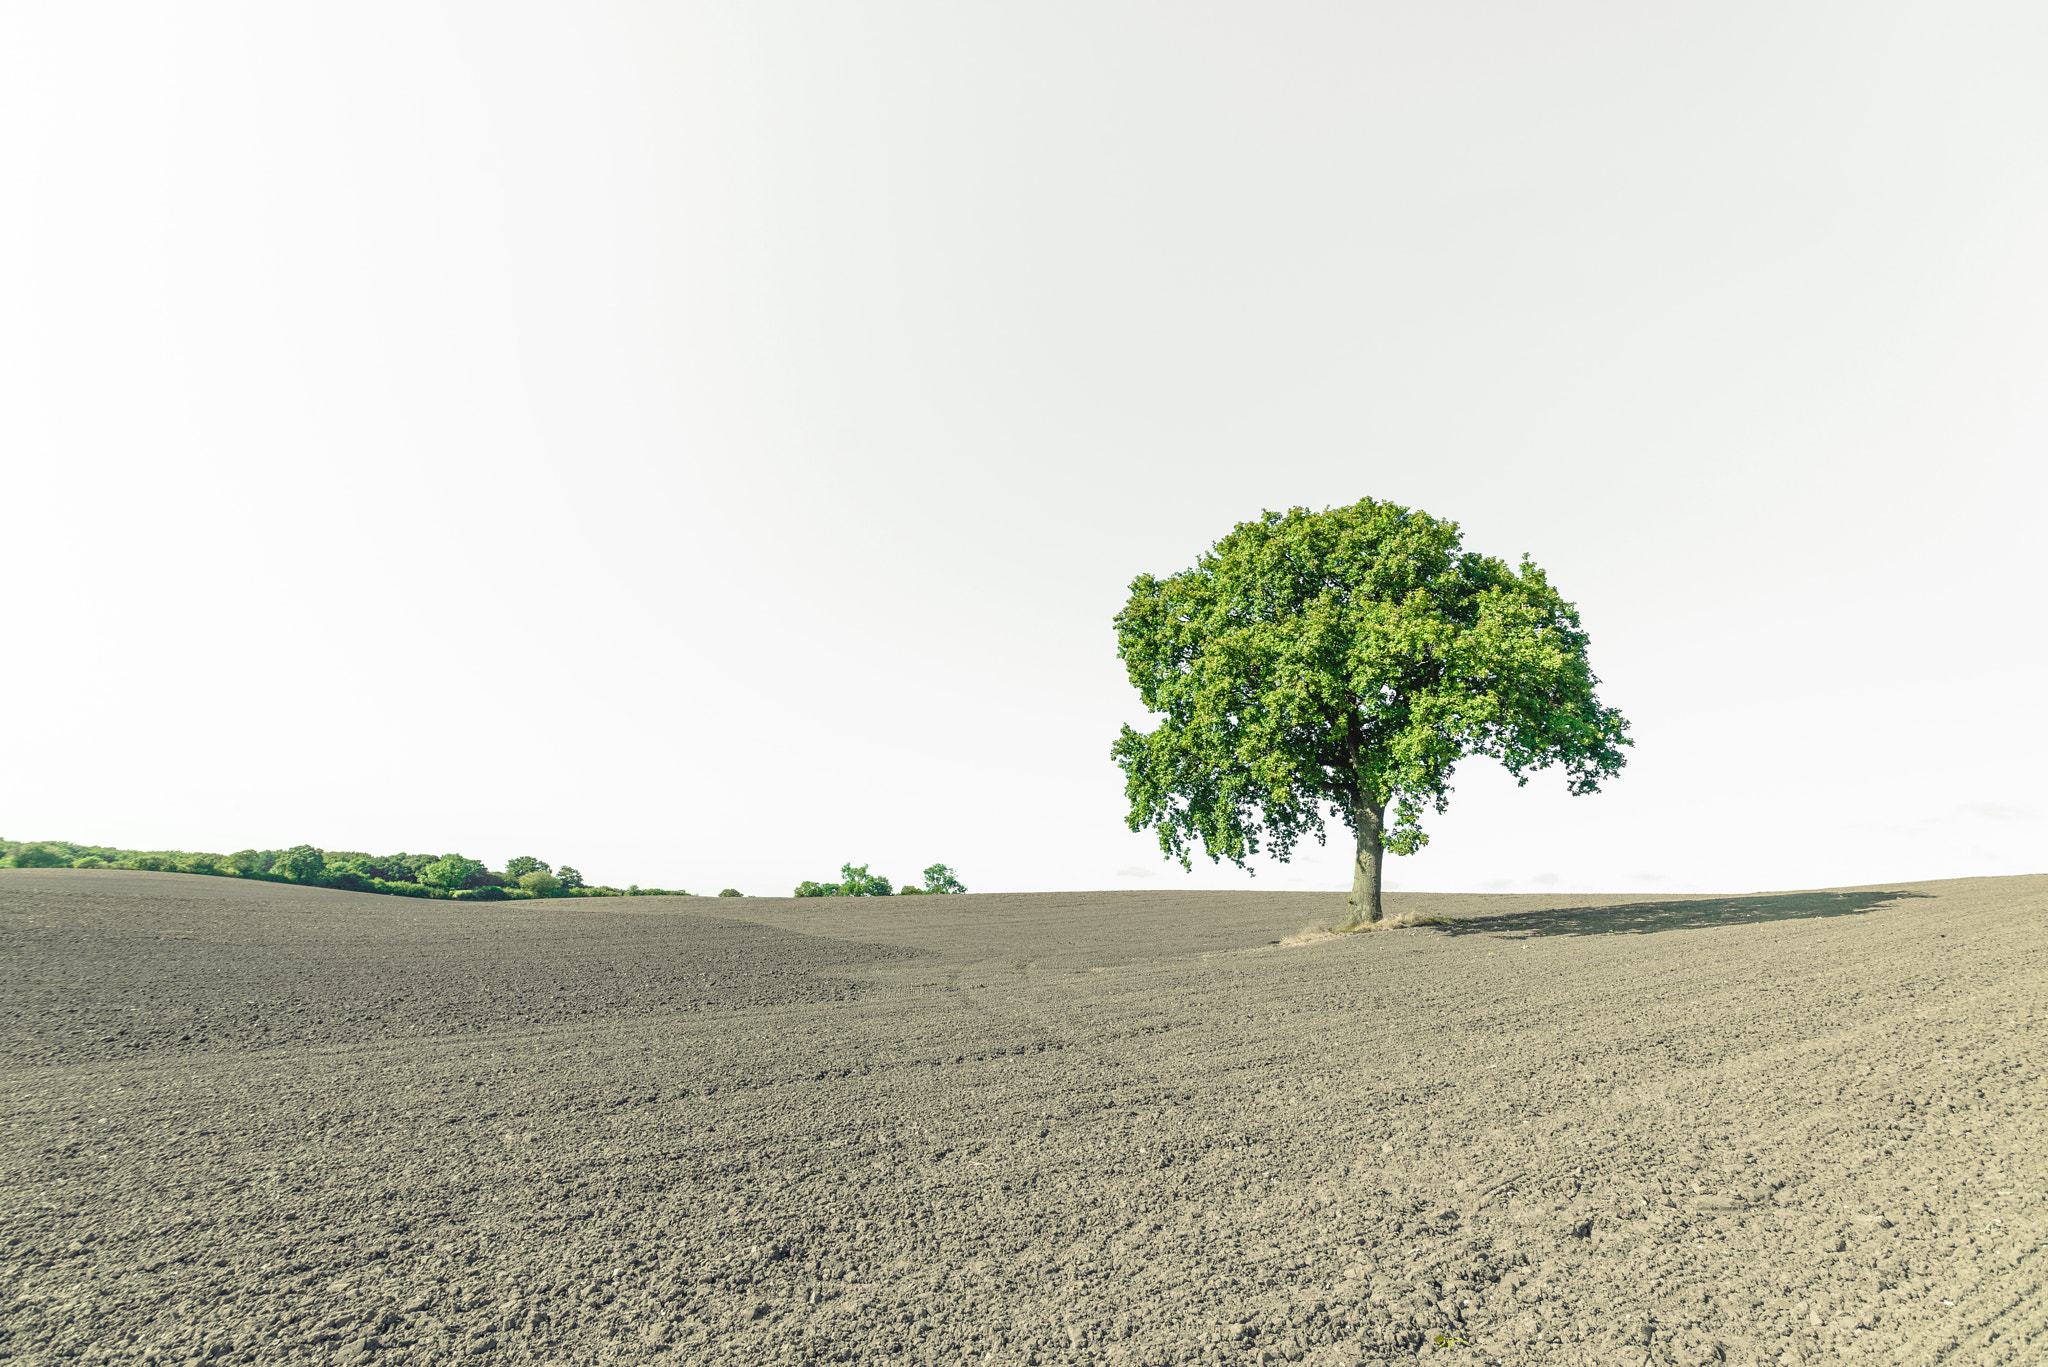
(939, 878)
(730, 892)
(89, 861)
(809, 889)
(40, 857)
(518, 868)
(570, 878)
(856, 881)
(540, 882)
(300, 862)
(1345, 662)
(451, 871)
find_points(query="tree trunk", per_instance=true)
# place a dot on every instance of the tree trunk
(1365, 868)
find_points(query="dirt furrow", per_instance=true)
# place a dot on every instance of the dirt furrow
(1575, 1131)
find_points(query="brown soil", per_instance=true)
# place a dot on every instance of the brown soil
(251, 1123)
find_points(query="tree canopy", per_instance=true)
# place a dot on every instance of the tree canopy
(938, 878)
(300, 861)
(1344, 662)
(451, 871)
(856, 881)
(451, 876)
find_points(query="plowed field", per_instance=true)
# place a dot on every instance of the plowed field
(249, 1123)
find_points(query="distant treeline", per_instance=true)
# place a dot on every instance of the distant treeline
(400, 875)
(856, 881)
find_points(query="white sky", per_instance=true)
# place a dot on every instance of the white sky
(707, 443)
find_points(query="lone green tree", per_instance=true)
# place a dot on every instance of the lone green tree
(1344, 662)
(939, 878)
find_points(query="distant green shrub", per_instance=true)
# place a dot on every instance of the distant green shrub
(854, 881)
(451, 871)
(398, 875)
(348, 879)
(337, 867)
(910, 891)
(730, 892)
(300, 863)
(939, 878)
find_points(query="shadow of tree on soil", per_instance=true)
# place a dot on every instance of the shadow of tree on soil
(1644, 918)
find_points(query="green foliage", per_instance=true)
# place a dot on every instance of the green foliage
(401, 875)
(856, 881)
(300, 863)
(451, 871)
(356, 869)
(939, 878)
(1346, 660)
(730, 892)
(356, 873)
(524, 864)
(395, 868)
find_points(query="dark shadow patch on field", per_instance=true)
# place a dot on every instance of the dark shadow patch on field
(1647, 918)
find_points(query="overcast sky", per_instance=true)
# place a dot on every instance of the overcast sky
(707, 443)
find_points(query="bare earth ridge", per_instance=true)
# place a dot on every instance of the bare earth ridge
(251, 1123)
